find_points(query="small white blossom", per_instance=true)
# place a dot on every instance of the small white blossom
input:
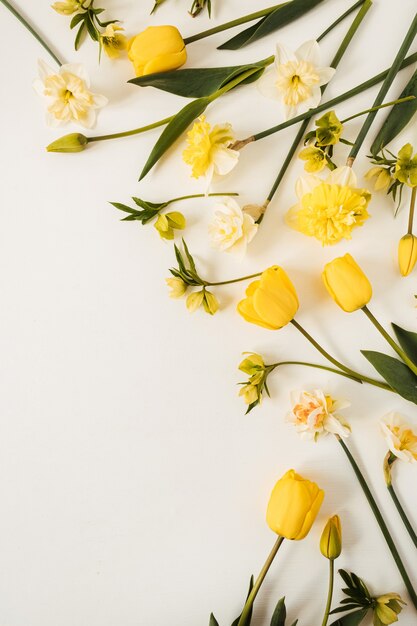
(314, 414)
(401, 439)
(231, 229)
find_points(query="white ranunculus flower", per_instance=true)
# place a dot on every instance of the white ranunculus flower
(314, 414)
(231, 229)
(296, 78)
(68, 95)
(401, 439)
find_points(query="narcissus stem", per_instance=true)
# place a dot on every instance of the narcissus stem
(412, 209)
(258, 582)
(32, 31)
(403, 514)
(329, 593)
(381, 522)
(129, 133)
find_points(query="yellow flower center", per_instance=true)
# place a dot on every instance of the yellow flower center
(406, 438)
(295, 81)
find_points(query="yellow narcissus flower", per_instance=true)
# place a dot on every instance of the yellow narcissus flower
(401, 439)
(157, 49)
(387, 609)
(208, 149)
(296, 78)
(68, 95)
(250, 393)
(67, 7)
(329, 209)
(271, 301)
(293, 506)
(382, 177)
(314, 414)
(167, 223)
(407, 254)
(331, 539)
(177, 287)
(347, 284)
(231, 229)
(406, 166)
(315, 159)
(113, 41)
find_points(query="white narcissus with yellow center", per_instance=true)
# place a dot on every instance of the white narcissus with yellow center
(400, 437)
(296, 78)
(232, 228)
(68, 95)
(314, 414)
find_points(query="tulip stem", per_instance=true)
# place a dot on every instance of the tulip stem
(233, 280)
(254, 592)
(381, 521)
(327, 369)
(390, 340)
(32, 31)
(338, 364)
(403, 514)
(412, 209)
(329, 594)
(129, 133)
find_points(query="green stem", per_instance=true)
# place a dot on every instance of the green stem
(329, 594)
(233, 280)
(32, 31)
(237, 22)
(340, 19)
(202, 195)
(403, 515)
(320, 367)
(251, 597)
(338, 364)
(392, 73)
(129, 133)
(390, 340)
(412, 208)
(371, 82)
(335, 62)
(381, 106)
(381, 522)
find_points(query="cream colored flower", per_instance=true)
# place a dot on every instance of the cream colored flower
(208, 149)
(401, 439)
(296, 78)
(67, 7)
(176, 286)
(68, 96)
(329, 209)
(231, 229)
(314, 414)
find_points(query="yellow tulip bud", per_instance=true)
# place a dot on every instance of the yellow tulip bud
(74, 142)
(157, 49)
(271, 302)
(293, 506)
(407, 254)
(347, 284)
(331, 539)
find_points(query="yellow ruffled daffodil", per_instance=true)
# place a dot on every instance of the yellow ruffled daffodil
(232, 229)
(406, 166)
(293, 506)
(157, 49)
(329, 209)
(208, 150)
(331, 539)
(271, 301)
(113, 41)
(347, 284)
(400, 437)
(314, 414)
(68, 95)
(296, 78)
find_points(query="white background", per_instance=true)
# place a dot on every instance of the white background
(133, 489)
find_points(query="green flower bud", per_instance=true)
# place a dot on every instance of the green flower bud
(74, 142)
(331, 539)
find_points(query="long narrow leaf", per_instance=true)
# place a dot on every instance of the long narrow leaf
(351, 619)
(408, 341)
(396, 373)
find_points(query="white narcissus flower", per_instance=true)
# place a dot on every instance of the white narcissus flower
(314, 414)
(401, 439)
(296, 78)
(68, 95)
(231, 229)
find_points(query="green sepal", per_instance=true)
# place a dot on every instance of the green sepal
(213, 621)
(282, 16)
(351, 619)
(280, 614)
(408, 341)
(396, 373)
(398, 117)
(249, 617)
(197, 83)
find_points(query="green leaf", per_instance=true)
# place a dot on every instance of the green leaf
(282, 16)
(79, 36)
(213, 621)
(92, 30)
(351, 619)
(280, 614)
(396, 373)
(197, 83)
(249, 618)
(398, 117)
(174, 130)
(79, 17)
(408, 341)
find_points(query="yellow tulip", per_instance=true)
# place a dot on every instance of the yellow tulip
(331, 539)
(293, 506)
(347, 284)
(271, 302)
(407, 254)
(157, 49)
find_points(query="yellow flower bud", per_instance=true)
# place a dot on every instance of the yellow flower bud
(252, 364)
(210, 303)
(195, 300)
(382, 177)
(387, 609)
(331, 539)
(293, 506)
(74, 142)
(407, 254)
(347, 284)
(249, 393)
(315, 159)
(67, 7)
(177, 287)
(271, 302)
(157, 49)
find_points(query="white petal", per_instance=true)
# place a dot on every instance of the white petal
(334, 426)
(284, 54)
(309, 51)
(44, 70)
(225, 160)
(290, 111)
(326, 74)
(306, 184)
(343, 176)
(39, 86)
(89, 120)
(78, 70)
(99, 100)
(267, 84)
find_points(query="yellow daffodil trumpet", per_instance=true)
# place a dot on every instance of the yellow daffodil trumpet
(347, 284)
(157, 49)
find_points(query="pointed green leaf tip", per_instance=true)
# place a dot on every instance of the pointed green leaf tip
(280, 614)
(408, 341)
(213, 621)
(396, 373)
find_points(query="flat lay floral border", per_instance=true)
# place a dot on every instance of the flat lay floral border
(328, 206)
